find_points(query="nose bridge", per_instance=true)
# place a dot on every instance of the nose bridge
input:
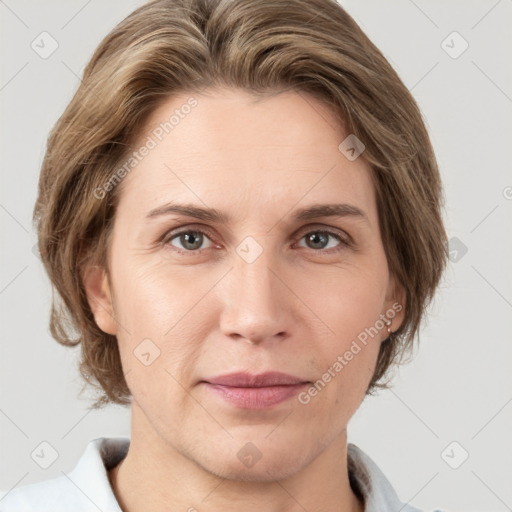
(253, 303)
(254, 278)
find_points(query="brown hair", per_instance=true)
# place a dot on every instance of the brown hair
(171, 46)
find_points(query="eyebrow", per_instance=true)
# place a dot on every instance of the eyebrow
(213, 215)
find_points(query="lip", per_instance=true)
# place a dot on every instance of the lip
(261, 380)
(261, 391)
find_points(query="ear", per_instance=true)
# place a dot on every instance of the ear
(395, 303)
(97, 288)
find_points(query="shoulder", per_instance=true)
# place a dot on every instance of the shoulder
(86, 488)
(370, 482)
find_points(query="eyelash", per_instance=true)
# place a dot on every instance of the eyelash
(169, 236)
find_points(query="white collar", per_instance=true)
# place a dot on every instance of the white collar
(369, 480)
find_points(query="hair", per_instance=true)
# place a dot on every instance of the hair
(167, 47)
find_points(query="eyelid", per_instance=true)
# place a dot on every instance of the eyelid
(343, 236)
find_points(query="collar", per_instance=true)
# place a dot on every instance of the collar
(370, 484)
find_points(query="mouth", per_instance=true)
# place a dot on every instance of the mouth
(247, 391)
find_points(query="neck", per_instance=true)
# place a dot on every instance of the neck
(157, 476)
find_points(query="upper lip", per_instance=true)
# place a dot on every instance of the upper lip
(247, 380)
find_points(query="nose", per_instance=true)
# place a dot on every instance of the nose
(256, 305)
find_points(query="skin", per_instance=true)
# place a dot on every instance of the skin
(294, 309)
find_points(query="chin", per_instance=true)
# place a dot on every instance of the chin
(248, 464)
(261, 472)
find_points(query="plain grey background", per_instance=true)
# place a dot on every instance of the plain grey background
(453, 401)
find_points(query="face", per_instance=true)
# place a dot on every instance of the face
(225, 258)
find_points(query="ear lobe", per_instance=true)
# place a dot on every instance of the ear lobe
(97, 289)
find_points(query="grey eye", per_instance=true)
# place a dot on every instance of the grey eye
(189, 240)
(321, 240)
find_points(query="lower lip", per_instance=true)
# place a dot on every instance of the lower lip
(256, 398)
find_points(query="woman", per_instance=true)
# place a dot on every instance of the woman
(240, 210)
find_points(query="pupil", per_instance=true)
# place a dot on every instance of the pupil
(318, 238)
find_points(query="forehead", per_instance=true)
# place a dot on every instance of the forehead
(231, 145)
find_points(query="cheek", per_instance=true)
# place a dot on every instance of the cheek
(348, 302)
(347, 299)
(176, 305)
(161, 332)
(154, 296)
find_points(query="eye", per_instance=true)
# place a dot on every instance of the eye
(190, 241)
(323, 239)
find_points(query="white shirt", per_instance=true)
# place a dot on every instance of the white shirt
(87, 488)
